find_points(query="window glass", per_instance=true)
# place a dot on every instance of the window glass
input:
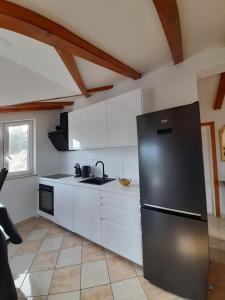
(18, 147)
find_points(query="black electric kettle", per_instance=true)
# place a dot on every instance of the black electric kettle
(86, 171)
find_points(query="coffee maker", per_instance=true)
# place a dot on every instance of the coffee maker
(77, 170)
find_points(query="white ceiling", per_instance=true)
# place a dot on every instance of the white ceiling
(130, 30)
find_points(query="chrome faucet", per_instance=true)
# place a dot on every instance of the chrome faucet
(103, 169)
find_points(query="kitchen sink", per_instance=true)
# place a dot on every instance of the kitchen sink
(97, 180)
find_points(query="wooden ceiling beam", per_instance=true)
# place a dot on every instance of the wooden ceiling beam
(41, 104)
(24, 21)
(220, 92)
(72, 68)
(169, 17)
(27, 108)
(100, 89)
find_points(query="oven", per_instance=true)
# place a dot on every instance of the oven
(46, 199)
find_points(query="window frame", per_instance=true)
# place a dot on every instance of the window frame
(30, 163)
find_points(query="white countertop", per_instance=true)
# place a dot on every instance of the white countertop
(113, 186)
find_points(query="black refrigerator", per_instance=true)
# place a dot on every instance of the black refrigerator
(173, 201)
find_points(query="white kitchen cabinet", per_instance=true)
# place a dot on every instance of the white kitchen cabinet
(121, 118)
(63, 205)
(94, 127)
(87, 213)
(122, 240)
(74, 129)
(121, 225)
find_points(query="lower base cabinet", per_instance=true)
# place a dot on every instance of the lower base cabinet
(63, 202)
(106, 218)
(87, 214)
(122, 240)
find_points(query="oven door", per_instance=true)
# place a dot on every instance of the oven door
(46, 199)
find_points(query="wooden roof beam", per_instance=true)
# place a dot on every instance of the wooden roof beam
(220, 92)
(24, 21)
(169, 17)
(27, 108)
(40, 104)
(72, 68)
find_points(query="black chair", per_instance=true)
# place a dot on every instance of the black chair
(7, 286)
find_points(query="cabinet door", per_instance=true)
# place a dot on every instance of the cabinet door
(74, 128)
(88, 214)
(63, 205)
(94, 133)
(122, 240)
(121, 118)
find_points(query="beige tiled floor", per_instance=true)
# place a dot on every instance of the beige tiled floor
(55, 264)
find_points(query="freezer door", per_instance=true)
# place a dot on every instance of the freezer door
(171, 161)
(175, 253)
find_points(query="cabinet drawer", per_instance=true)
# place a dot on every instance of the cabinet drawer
(120, 205)
(121, 217)
(123, 241)
(120, 197)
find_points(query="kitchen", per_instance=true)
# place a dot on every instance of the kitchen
(102, 221)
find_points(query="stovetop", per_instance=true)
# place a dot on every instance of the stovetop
(58, 176)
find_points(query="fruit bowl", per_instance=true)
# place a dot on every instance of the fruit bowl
(125, 181)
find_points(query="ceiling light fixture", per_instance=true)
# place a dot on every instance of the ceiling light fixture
(5, 43)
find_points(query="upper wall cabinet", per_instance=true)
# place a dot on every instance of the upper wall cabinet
(74, 131)
(94, 127)
(111, 123)
(121, 118)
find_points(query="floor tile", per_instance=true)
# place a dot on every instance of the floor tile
(155, 293)
(71, 241)
(130, 289)
(27, 224)
(120, 269)
(109, 254)
(66, 296)
(69, 257)
(65, 280)
(43, 223)
(37, 284)
(51, 244)
(12, 248)
(24, 234)
(21, 264)
(44, 261)
(219, 244)
(18, 279)
(37, 298)
(57, 229)
(87, 242)
(103, 292)
(92, 253)
(29, 247)
(217, 255)
(94, 274)
(37, 234)
(53, 235)
(138, 269)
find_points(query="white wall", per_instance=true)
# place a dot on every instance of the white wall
(20, 194)
(115, 159)
(170, 85)
(20, 84)
(207, 88)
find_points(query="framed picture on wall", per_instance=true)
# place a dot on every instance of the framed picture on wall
(222, 142)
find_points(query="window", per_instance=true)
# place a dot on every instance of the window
(18, 148)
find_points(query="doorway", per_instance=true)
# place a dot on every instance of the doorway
(210, 168)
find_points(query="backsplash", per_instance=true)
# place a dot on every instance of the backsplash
(119, 162)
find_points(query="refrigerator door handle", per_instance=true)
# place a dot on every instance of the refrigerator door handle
(170, 210)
